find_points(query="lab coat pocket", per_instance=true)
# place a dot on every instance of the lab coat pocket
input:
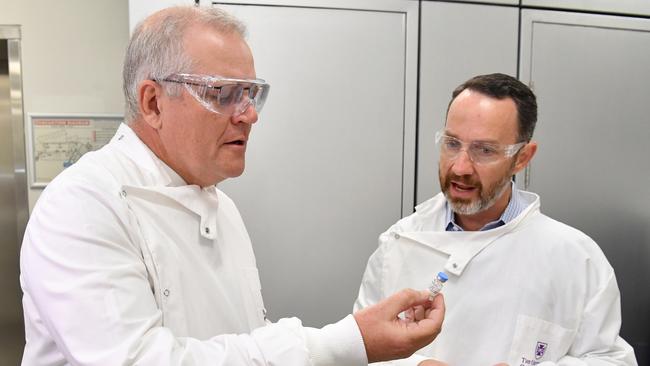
(536, 340)
(254, 302)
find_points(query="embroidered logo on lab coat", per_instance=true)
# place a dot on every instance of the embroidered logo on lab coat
(540, 349)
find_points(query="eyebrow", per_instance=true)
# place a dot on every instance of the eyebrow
(493, 142)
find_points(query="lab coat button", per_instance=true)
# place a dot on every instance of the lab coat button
(123, 193)
(207, 230)
(454, 265)
(396, 236)
(166, 292)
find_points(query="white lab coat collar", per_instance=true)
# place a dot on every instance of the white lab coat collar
(129, 144)
(464, 245)
(165, 181)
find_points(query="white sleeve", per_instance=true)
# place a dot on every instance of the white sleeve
(88, 300)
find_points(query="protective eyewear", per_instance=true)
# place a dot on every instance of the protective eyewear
(224, 95)
(479, 152)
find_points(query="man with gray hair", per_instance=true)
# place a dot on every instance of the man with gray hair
(132, 256)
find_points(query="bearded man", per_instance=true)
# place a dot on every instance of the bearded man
(523, 289)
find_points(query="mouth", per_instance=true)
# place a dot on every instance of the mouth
(463, 191)
(238, 142)
(462, 187)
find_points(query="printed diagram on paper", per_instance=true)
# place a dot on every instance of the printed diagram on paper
(60, 142)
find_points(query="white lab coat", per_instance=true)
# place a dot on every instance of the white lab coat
(124, 264)
(534, 291)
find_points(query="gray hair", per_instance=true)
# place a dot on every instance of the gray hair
(156, 48)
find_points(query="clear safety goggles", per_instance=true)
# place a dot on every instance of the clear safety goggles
(479, 152)
(222, 95)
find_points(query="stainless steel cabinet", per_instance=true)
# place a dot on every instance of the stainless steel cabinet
(330, 164)
(640, 7)
(458, 41)
(498, 2)
(591, 76)
(13, 194)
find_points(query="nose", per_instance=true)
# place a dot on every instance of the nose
(248, 116)
(462, 164)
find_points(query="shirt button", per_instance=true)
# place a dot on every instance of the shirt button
(396, 236)
(166, 292)
(454, 265)
(123, 193)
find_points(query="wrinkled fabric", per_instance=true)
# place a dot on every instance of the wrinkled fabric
(124, 264)
(534, 291)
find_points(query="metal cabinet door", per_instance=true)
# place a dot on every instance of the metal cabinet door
(13, 194)
(640, 7)
(499, 2)
(458, 41)
(330, 163)
(591, 77)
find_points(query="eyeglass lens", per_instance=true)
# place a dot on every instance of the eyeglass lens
(235, 98)
(479, 152)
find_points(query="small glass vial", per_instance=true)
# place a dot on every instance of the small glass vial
(436, 284)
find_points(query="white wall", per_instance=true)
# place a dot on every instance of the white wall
(72, 55)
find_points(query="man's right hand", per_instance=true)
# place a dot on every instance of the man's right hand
(387, 337)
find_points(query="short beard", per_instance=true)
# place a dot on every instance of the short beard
(486, 198)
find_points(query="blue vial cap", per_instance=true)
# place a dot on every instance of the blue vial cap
(442, 276)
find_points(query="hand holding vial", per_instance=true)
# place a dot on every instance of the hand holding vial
(387, 336)
(418, 312)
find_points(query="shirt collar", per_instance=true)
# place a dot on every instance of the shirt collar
(516, 206)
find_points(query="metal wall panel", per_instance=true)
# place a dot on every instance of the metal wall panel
(13, 194)
(639, 7)
(591, 76)
(458, 41)
(329, 158)
(496, 2)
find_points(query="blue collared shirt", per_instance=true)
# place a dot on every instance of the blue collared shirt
(516, 206)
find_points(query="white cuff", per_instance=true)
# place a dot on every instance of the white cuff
(338, 344)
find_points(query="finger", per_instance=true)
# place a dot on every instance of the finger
(404, 300)
(437, 309)
(418, 312)
(432, 323)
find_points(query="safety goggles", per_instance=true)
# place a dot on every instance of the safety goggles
(222, 95)
(479, 152)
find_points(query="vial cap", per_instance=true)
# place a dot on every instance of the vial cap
(442, 276)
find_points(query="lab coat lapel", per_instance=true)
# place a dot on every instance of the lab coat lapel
(462, 246)
(163, 182)
(202, 202)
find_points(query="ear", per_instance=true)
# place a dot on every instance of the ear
(149, 95)
(525, 156)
